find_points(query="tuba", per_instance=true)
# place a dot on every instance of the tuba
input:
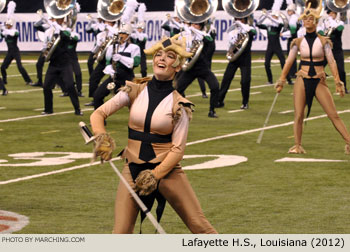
(195, 11)
(2, 5)
(59, 9)
(239, 9)
(339, 6)
(108, 10)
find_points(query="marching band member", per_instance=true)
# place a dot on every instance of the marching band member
(273, 25)
(311, 78)
(201, 68)
(60, 69)
(10, 33)
(336, 28)
(121, 58)
(243, 62)
(291, 34)
(41, 26)
(3, 88)
(101, 41)
(172, 25)
(139, 37)
(158, 128)
(94, 27)
(72, 50)
(212, 32)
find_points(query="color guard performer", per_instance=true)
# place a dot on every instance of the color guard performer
(158, 128)
(311, 78)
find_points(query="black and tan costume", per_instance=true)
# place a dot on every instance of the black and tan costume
(311, 81)
(158, 128)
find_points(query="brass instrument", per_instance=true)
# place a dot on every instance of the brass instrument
(238, 47)
(239, 9)
(109, 10)
(101, 52)
(59, 9)
(340, 6)
(195, 11)
(2, 5)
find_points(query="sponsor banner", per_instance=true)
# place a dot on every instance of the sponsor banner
(29, 38)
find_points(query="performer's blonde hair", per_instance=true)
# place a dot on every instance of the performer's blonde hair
(171, 44)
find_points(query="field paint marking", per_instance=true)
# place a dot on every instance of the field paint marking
(259, 129)
(255, 93)
(287, 159)
(12, 222)
(235, 111)
(38, 116)
(286, 112)
(2, 107)
(221, 161)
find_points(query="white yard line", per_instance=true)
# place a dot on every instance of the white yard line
(38, 116)
(235, 111)
(51, 172)
(259, 129)
(286, 112)
(188, 144)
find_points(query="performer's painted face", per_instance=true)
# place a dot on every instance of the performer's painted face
(163, 62)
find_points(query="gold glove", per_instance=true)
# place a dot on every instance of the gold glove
(145, 183)
(279, 85)
(339, 88)
(104, 146)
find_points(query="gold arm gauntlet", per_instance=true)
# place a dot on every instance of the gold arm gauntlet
(145, 183)
(104, 145)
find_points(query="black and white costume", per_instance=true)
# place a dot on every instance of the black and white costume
(60, 69)
(11, 37)
(201, 69)
(243, 62)
(336, 28)
(274, 28)
(120, 60)
(140, 39)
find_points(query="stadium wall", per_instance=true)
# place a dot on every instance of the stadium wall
(29, 38)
